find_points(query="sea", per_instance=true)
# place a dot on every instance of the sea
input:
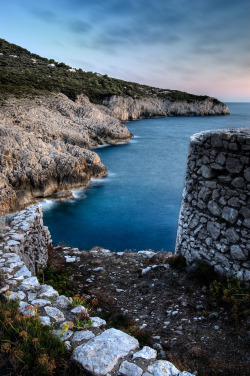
(136, 206)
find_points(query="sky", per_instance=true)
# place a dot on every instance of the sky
(198, 46)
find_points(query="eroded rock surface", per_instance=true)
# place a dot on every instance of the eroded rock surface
(45, 146)
(127, 108)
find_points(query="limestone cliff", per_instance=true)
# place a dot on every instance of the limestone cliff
(45, 146)
(128, 108)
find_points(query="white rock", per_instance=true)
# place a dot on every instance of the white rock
(67, 345)
(31, 296)
(82, 335)
(146, 270)
(11, 243)
(29, 283)
(98, 269)
(40, 302)
(97, 322)
(5, 269)
(149, 254)
(12, 282)
(13, 259)
(16, 264)
(79, 309)
(102, 353)
(62, 301)
(45, 320)
(120, 253)
(9, 254)
(18, 237)
(63, 335)
(106, 251)
(47, 292)
(27, 309)
(163, 368)
(55, 313)
(146, 353)
(4, 289)
(89, 280)
(24, 271)
(130, 369)
(15, 295)
(70, 258)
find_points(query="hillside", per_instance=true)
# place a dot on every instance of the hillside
(52, 114)
(22, 73)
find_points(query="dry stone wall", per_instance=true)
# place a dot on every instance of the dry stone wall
(25, 235)
(214, 221)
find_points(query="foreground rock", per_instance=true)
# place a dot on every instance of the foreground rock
(102, 353)
(45, 146)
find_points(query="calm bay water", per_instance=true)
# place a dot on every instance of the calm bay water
(137, 205)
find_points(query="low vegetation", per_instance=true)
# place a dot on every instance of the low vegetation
(59, 278)
(27, 347)
(23, 73)
(232, 294)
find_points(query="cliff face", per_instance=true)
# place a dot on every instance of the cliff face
(127, 108)
(44, 146)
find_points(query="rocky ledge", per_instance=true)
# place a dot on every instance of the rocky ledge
(45, 146)
(127, 108)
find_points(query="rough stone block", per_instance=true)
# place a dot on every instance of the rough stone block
(146, 353)
(82, 335)
(214, 208)
(102, 353)
(230, 214)
(238, 253)
(55, 314)
(214, 229)
(29, 283)
(163, 368)
(130, 369)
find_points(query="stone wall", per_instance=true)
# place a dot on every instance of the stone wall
(25, 235)
(214, 221)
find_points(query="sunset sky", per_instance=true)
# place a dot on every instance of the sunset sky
(198, 46)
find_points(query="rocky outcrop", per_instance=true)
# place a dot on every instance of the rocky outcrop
(45, 146)
(127, 108)
(214, 221)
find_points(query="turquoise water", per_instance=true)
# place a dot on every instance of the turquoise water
(137, 205)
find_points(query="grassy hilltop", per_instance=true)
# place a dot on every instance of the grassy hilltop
(24, 73)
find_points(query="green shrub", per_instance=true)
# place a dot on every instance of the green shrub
(59, 278)
(29, 346)
(234, 295)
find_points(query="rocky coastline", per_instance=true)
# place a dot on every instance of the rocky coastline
(46, 141)
(128, 108)
(45, 147)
